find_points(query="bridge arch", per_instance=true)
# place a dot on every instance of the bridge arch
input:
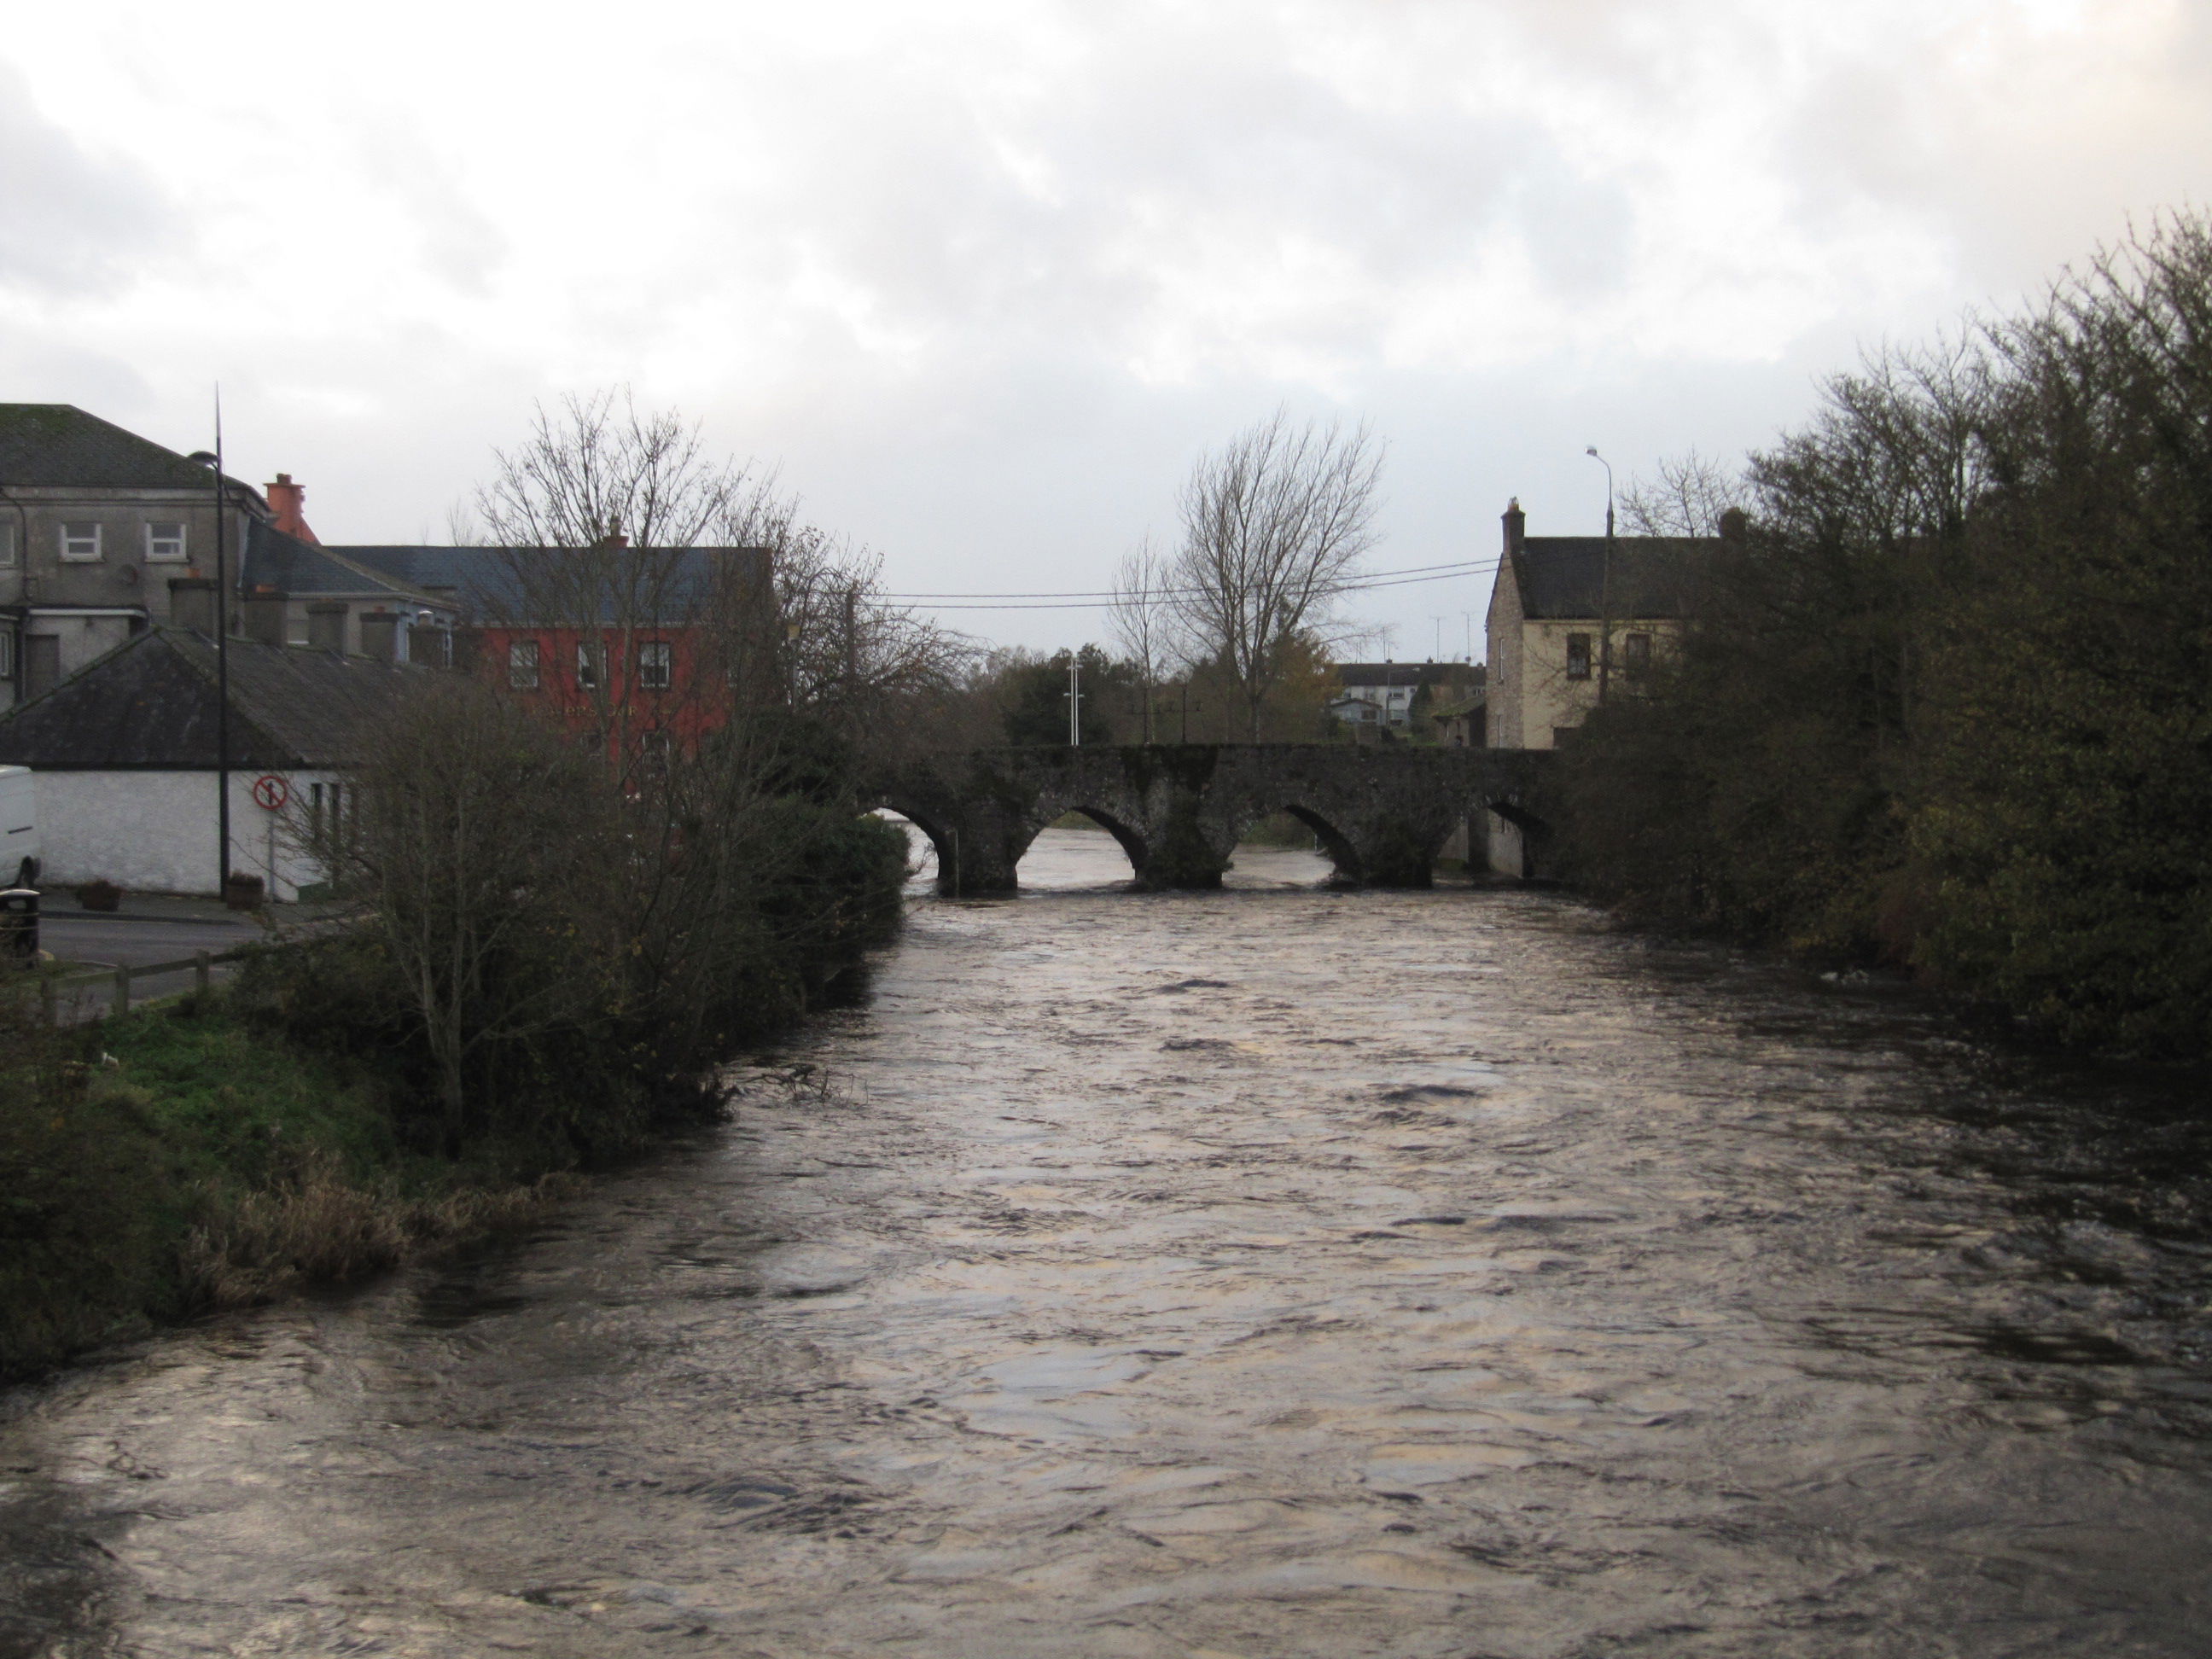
(1131, 839)
(1326, 822)
(944, 839)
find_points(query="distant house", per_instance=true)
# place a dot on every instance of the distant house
(124, 758)
(1399, 696)
(1573, 619)
(1556, 603)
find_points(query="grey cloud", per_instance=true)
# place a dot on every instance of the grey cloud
(70, 222)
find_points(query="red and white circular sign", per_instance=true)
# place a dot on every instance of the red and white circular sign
(272, 792)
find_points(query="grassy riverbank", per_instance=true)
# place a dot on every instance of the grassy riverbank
(182, 1159)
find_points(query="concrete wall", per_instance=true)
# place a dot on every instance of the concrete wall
(155, 832)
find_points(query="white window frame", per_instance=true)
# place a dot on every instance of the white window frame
(63, 538)
(7, 544)
(590, 654)
(154, 553)
(522, 664)
(656, 665)
(7, 653)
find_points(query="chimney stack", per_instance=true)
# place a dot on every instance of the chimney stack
(192, 604)
(287, 502)
(263, 614)
(1516, 524)
(380, 635)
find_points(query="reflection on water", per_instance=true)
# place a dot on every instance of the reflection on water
(1265, 1273)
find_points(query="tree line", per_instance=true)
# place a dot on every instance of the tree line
(1946, 704)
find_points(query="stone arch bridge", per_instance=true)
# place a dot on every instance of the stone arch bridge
(1382, 812)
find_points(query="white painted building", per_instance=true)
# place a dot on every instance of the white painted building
(123, 756)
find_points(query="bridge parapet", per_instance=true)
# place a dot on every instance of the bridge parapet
(1383, 813)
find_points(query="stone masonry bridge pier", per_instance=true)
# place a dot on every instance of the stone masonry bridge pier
(1382, 812)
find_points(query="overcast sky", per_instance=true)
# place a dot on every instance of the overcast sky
(983, 277)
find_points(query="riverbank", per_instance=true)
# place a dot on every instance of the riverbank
(181, 1160)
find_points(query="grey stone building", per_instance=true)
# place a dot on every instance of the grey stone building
(104, 534)
(94, 522)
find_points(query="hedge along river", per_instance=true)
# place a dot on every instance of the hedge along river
(1267, 1273)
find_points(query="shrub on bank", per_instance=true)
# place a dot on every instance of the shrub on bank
(1948, 703)
(549, 955)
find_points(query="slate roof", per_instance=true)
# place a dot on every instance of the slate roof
(151, 703)
(1564, 576)
(487, 581)
(58, 444)
(303, 569)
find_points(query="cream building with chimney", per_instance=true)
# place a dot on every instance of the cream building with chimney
(1573, 621)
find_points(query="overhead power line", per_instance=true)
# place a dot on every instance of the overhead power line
(1094, 599)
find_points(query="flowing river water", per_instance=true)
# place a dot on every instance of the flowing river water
(1277, 1272)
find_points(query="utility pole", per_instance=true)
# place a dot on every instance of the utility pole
(222, 655)
(1605, 586)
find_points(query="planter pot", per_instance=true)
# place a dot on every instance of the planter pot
(99, 896)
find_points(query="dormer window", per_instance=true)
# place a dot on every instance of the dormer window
(164, 540)
(81, 543)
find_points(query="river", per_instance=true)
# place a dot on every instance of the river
(1277, 1272)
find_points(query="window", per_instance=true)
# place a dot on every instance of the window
(1636, 656)
(522, 664)
(164, 540)
(81, 542)
(589, 655)
(7, 545)
(7, 653)
(654, 665)
(1579, 656)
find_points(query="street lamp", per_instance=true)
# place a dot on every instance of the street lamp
(222, 662)
(1605, 586)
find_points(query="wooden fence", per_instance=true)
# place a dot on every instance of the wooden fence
(200, 964)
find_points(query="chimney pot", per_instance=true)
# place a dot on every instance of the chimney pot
(287, 504)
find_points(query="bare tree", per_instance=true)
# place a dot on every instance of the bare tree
(1687, 498)
(597, 468)
(1273, 525)
(1143, 624)
(463, 831)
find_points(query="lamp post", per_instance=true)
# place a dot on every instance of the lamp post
(1605, 586)
(222, 661)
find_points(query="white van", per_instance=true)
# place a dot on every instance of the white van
(19, 829)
